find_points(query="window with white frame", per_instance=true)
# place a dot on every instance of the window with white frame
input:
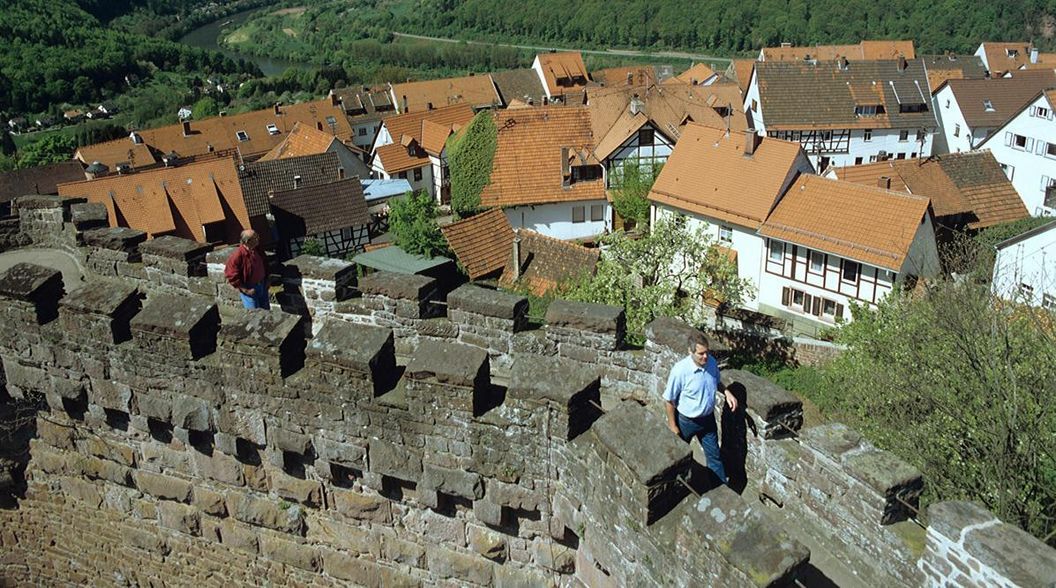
(242, 136)
(903, 135)
(817, 261)
(867, 135)
(777, 250)
(988, 106)
(1050, 150)
(725, 234)
(1026, 291)
(1041, 112)
(1048, 301)
(579, 214)
(597, 213)
(1019, 142)
(1009, 170)
(956, 130)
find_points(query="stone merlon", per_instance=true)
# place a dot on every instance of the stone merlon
(30, 282)
(104, 297)
(320, 268)
(449, 363)
(357, 347)
(586, 316)
(264, 329)
(493, 303)
(175, 248)
(398, 286)
(115, 238)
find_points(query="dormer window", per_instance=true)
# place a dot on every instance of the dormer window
(868, 109)
(988, 106)
(242, 136)
(583, 173)
(1012, 53)
(273, 130)
(331, 121)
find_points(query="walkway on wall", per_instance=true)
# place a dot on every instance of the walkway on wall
(70, 266)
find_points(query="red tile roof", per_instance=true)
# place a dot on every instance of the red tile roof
(547, 262)
(482, 243)
(563, 72)
(866, 50)
(474, 91)
(427, 129)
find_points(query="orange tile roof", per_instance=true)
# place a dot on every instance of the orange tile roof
(302, 140)
(640, 75)
(220, 133)
(482, 243)
(117, 151)
(695, 74)
(709, 174)
(862, 223)
(998, 60)
(171, 200)
(958, 183)
(475, 91)
(547, 262)
(563, 71)
(867, 50)
(668, 107)
(527, 168)
(427, 129)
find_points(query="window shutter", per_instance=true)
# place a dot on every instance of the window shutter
(1030, 144)
(817, 306)
(806, 302)
(1040, 148)
(786, 295)
(1008, 139)
(839, 311)
(1044, 182)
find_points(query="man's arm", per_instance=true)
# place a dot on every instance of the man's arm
(672, 421)
(731, 400)
(671, 392)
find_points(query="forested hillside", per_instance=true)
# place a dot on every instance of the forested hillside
(53, 51)
(740, 25)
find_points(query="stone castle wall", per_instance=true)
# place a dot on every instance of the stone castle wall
(382, 433)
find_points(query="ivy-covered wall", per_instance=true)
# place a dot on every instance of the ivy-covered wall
(470, 154)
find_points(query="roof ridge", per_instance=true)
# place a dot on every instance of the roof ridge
(844, 242)
(878, 189)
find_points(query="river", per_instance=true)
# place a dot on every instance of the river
(207, 37)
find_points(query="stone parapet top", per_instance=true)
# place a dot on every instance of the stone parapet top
(102, 297)
(176, 315)
(221, 255)
(30, 282)
(448, 363)
(116, 238)
(493, 303)
(399, 286)
(640, 439)
(354, 346)
(35, 201)
(175, 248)
(558, 380)
(320, 268)
(598, 318)
(766, 399)
(258, 328)
(86, 215)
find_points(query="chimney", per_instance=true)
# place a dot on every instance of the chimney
(902, 64)
(319, 125)
(517, 255)
(333, 99)
(296, 182)
(405, 103)
(209, 147)
(186, 128)
(124, 168)
(429, 105)
(136, 139)
(750, 142)
(884, 182)
(278, 111)
(636, 105)
(630, 79)
(170, 159)
(545, 100)
(841, 63)
(95, 170)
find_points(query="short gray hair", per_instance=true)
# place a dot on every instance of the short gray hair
(247, 236)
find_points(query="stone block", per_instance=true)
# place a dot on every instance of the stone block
(284, 440)
(238, 536)
(346, 454)
(191, 413)
(209, 502)
(190, 320)
(831, 439)
(290, 553)
(892, 478)
(362, 348)
(147, 540)
(180, 517)
(574, 390)
(244, 424)
(116, 239)
(398, 286)
(306, 492)
(364, 507)
(268, 332)
(489, 512)
(87, 215)
(262, 512)
(637, 438)
(321, 268)
(38, 202)
(587, 316)
(162, 486)
(450, 565)
(154, 406)
(176, 248)
(769, 401)
(553, 556)
(493, 303)
(361, 572)
(487, 543)
(449, 363)
(37, 285)
(394, 460)
(454, 482)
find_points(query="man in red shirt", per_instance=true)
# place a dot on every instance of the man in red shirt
(245, 271)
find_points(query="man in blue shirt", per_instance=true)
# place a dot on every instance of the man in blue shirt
(690, 394)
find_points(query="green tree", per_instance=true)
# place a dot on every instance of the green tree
(7, 144)
(669, 271)
(631, 197)
(312, 247)
(412, 220)
(470, 154)
(51, 149)
(205, 107)
(962, 385)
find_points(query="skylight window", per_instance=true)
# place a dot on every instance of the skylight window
(273, 130)
(988, 106)
(242, 136)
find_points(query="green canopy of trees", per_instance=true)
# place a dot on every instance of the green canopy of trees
(412, 220)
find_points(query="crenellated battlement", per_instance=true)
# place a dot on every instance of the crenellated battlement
(381, 432)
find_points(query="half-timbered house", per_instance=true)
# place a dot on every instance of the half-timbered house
(334, 215)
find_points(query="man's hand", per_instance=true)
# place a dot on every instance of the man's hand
(674, 428)
(247, 291)
(731, 401)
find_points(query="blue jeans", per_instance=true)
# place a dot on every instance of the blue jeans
(259, 299)
(707, 433)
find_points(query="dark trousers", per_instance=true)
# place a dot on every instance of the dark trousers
(707, 433)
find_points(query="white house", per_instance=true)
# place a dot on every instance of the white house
(968, 111)
(544, 174)
(412, 146)
(870, 239)
(1025, 146)
(1025, 267)
(305, 140)
(1001, 58)
(729, 182)
(844, 112)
